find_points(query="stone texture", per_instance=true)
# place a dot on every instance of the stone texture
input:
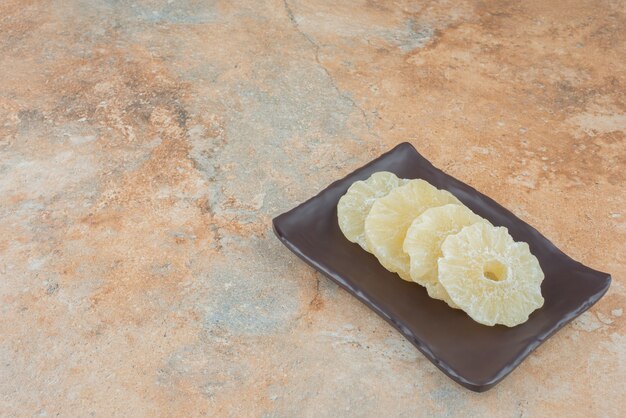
(146, 145)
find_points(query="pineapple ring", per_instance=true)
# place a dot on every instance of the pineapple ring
(423, 244)
(354, 206)
(391, 216)
(494, 279)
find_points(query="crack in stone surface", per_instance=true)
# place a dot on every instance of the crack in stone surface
(316, 300)
(315, 304)
(316, 53)
(205, 207)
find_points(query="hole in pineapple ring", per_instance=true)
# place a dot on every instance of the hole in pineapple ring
(495, 270)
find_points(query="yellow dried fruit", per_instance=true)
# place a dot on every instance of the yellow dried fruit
(354, 206)
(423, 244)
(494, 279)
(391, 216)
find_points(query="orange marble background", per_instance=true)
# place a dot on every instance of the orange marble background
(146, 145)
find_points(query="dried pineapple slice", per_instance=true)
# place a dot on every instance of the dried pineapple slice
(354, 206)
(423, 244)
(494, 279)
(391, 216)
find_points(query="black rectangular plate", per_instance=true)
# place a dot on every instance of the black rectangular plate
(474, 355)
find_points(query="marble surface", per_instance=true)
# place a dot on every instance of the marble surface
(146, 145)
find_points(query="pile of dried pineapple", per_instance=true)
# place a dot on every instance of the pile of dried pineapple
(428, 236)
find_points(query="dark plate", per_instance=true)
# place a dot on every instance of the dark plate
(474, 355)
